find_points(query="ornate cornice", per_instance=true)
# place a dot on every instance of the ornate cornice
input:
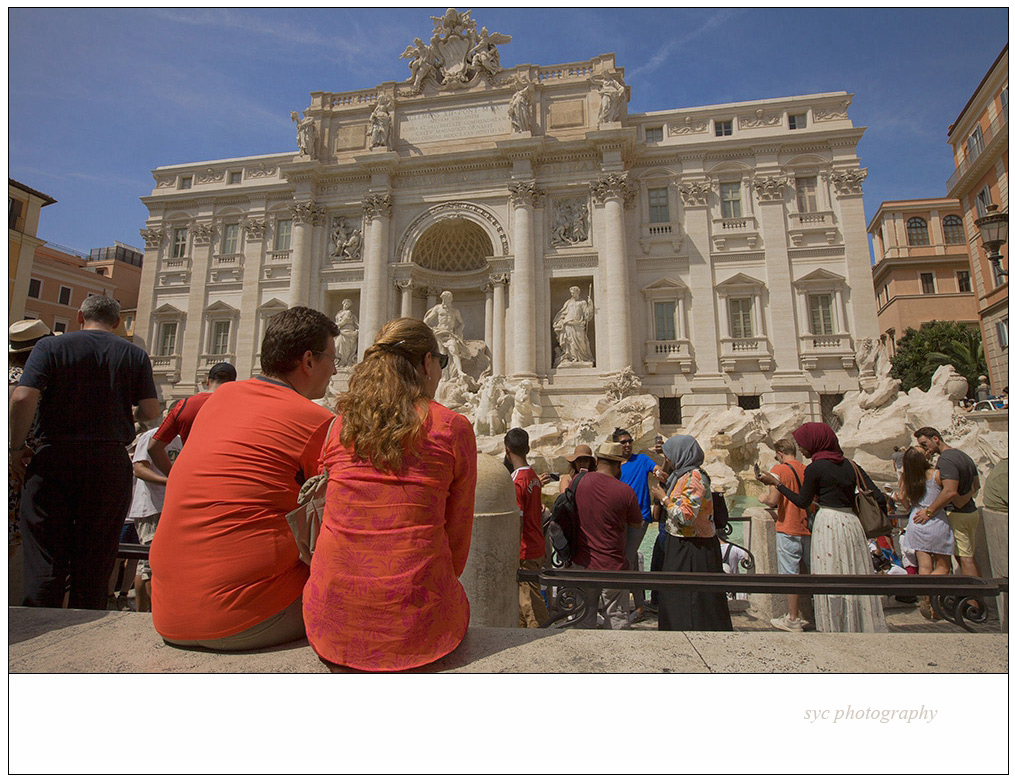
(153, 237)
(377, 205)
(690, 125)
(613, 186)
(838, 111)
(695, 193)
(770, 188)
(525, 193)
(848, 182)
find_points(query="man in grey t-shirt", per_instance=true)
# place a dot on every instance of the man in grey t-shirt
(960, 481)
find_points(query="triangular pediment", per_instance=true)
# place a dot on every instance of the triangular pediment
(167, 310)
(821, 277)
(665, 284)
(221, 307)
(741, 280)
(274, 304)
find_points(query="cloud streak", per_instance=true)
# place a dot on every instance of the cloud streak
(664, 53)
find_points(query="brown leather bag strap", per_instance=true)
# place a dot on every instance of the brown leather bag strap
(860, 483)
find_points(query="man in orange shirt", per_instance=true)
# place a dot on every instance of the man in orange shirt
(226, 573)
(792, 533)
(532, 551)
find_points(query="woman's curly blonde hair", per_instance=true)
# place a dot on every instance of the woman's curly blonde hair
(384, 410)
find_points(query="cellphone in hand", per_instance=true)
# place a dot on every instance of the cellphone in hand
(757, 472)
(554, 476)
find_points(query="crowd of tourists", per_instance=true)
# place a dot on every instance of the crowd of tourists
(210, 486)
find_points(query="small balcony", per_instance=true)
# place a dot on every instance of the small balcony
(229, 261)
(166, 368)
(739, 353)
(815, 347)
(660, 233)
(820, 225)
(735, 230)
(668, 353)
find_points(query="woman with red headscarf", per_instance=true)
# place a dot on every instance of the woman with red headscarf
(838, 543)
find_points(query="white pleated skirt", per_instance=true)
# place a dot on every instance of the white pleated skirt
(839, 546)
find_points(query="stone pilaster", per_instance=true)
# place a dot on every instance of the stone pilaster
(487, 289)
(154, 238)
(849, 192)
(499, 350)
(191, 348)
(614, 193)
(405, 289)
(253, 260)
(524, 199)
(373, 301)
(305, 214)
(782, 324)
(704, 318)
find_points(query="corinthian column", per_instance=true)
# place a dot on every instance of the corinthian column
(524, 198)
(372, 308)
(614, 194)
(305, 214)
(499, 282)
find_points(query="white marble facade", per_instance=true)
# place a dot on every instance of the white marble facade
(722, 248)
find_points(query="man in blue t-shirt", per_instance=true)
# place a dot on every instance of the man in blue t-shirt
(77, 485)
(634, 471)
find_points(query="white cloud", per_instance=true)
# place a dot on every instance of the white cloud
(664, 53)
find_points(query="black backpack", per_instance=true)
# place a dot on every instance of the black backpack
(720, 512)
(562, 526)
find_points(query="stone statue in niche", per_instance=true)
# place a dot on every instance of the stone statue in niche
(520, 110)
(347, 345)
(306, 134)
(347, 242)
(611, 93)
(423, 63)
(380, 123)
(571, 327)
(448, 326)
(570, 222)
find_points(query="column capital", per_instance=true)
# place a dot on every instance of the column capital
(202, 232)
(500, 279)
(695, 193)
(306, 212)
(614, 185)
(255, 227)
(770, 188)
(404, 285)
(525, 193)
(153, 237)
(377, 205)
(848, 183)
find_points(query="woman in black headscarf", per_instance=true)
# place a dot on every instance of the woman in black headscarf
(691, 544)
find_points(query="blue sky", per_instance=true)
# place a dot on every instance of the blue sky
(98, 98)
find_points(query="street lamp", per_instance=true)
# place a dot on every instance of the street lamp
(993, 228)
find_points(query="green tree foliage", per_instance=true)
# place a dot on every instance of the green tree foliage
(920, 352)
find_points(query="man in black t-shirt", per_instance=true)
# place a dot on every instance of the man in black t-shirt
(77, 484)
(960, 481)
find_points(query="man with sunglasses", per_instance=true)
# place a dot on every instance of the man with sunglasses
(634, 471)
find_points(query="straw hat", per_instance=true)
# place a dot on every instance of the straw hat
(612, 452)
(25, 333)
(579, 452)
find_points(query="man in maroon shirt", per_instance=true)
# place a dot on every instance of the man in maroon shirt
(528, 494)
(181, 417)
(607, 509)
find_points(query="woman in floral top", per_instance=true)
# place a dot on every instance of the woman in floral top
(691, 544)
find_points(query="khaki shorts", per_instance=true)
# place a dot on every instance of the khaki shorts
(145, 533)
(964, 527)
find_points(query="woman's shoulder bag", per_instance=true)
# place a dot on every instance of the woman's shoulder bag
(305, 521)
(873, 519)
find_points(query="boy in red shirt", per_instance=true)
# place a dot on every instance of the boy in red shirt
(532, 551)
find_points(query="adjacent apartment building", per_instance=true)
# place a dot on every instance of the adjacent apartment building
(979, 141)
(719, 251)
(24, 205)
(921, 270)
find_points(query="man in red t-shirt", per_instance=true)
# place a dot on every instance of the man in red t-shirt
(608, 512)
(531, 553)
(181, 417)
(792, 535)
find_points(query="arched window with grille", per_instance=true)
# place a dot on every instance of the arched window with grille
(953, 230)
(916, 231)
